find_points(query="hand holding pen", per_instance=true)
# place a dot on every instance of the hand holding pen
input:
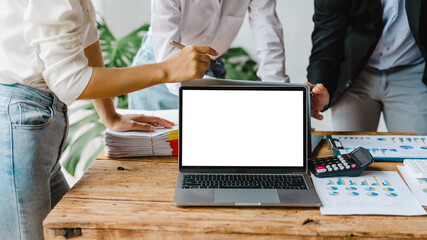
(188, 63)
(180, 46)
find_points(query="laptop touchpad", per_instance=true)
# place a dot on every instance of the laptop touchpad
(246, 196)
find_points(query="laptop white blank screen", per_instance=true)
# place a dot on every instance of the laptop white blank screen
(242, 128)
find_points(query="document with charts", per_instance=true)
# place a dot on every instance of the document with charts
(418, 186)
(373, 192)
(382, 147)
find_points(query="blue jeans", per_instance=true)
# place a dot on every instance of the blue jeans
(158, 97)
(33, 130)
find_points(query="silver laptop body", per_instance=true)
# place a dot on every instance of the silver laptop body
(247, 132)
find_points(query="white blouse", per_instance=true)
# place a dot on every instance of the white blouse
(42, 45)
(216, 23)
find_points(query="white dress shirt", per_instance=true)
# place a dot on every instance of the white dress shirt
(216, 23)
(42, 45)
(397, 46)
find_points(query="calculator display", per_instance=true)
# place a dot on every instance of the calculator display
(359, 156)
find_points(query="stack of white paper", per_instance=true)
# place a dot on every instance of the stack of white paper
(162, 142)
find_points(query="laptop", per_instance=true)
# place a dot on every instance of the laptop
(244, 144)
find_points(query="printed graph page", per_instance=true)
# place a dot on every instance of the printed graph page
(374, 192)
(418, 186)
(242, 128)
(386, 146)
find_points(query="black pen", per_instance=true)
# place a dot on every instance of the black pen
(180, 46)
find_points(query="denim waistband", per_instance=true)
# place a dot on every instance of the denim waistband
(26, 92)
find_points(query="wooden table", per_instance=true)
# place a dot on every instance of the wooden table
(132, 199)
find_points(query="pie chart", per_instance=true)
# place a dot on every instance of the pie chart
(381, 139)
(406, 147)
(354, 194)
(372, 194)
(424, 147)
(391, 194)
(389, 189)
(334, 193)
(351, 188)
(332, 188)
(370, 189)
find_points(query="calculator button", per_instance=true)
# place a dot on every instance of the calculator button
(340, 157)
(320, 167)
(341, 168)
(353, 166)
(335, 168)
(334, 165)
(328, 166)
(321, 170)
(347, 167)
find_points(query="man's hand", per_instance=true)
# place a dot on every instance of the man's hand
(318, 100)
(136, 122)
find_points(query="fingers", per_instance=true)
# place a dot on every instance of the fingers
(143, 127)
(203, 67)
(317, 115)
(311, 85)
(205, 50)
(155, 121)
(204, 58)
(319, 89)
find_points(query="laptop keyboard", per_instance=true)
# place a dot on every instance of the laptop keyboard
(249, 181)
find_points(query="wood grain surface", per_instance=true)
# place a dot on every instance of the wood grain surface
(132, 199)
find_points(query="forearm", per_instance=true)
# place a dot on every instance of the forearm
(105, 107)
(111, 82)
(107, 83)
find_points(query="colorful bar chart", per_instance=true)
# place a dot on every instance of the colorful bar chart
(372, 182)
(386, 183)
(376, 183)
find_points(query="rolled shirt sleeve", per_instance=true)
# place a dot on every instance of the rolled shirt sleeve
(267, 33)
(59, 30)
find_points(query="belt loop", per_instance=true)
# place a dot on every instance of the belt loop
(54, 104)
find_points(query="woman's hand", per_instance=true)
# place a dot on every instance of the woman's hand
(318, 100)
(136, 122)
(188, 63)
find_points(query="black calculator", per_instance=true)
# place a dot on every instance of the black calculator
(351, 164)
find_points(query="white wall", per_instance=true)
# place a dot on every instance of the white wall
(295, 15)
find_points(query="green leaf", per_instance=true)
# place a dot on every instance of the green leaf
(93, 157)
(86, 106)
(91, 118)
(239, 65)
(77, 147)
(119, 52)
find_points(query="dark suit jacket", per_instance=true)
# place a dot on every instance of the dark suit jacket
(345, 35)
